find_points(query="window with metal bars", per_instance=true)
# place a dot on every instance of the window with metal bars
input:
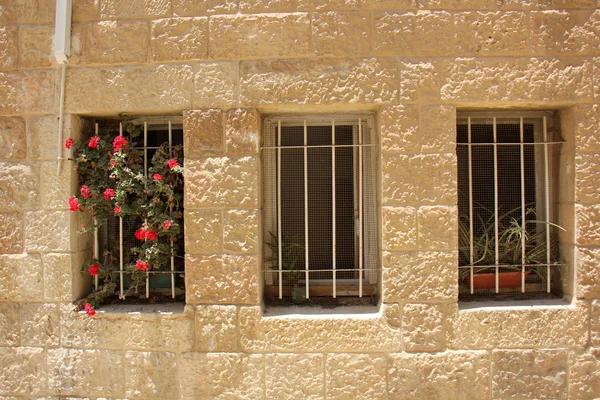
(319, 209)
(508, 235)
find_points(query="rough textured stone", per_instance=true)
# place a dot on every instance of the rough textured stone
(294, 376)
(222, 279)
(192, 8)
(587, 121)
(110, 42)
(57, 276)
(13, 142)
(437, 228)
(179, 39)
(134, 9)
(421, 33)
(40, 324)
(419, 276)
(41, 135)
(406, 182)
(393, 315)
(257, 6)
(35, 46)
(584, 374)
(203, 232)
(389, 4)
(420, 81)
(215, 85)
(357, 376)
(11, 233)
(9, 324)
(587, 176)
(539, 374)
(588, 270)
(221, 375)
(562, 32)
(240, 231)
(24, 371)
(399, 225)
(55, 189)
(259, 35)
(318, 81)
(242, 132)
(203, 133)
(437, 129)
(21, 278)
(400, 130)
(47, 231)
(449, 375)
(595, 323)
(216, 328)
(423, 327)
(8, 46)
(341, 34)
(327, 5)
(27, 12)
(26, 91)
(86, 10)
(19, 185)
(587, 221)
(221, 182)
(315, 334)
(151, 375)
(522, 327)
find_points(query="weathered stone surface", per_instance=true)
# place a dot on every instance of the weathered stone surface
(460, 4)
(587, 121)
(216, 328)
(393, 314)
(13, 142)
(328, 5)
(595, 323)
(341, 34)
(421, 33)
(151, 375)
(57, 276)
(55, 189)
(584, 374)
(596, 70)
(179, 39)
(35, 46)
(502, 81)
(9, 51)
(399, 225)
(86, 10)
(161, 88)
(492, 33)
(400, 130)
(19, 184)
(110, 42)
(389, 4)
(41, 134)
(222, 279)
(21, 278)
(566, 32)
(530, 374)
(11, 233)
(294, 376)
(23, 371)
(215, 85)
(259, 35)
(86, 372)
(221, 375)
(9, 324)
(420, 81)
(437, 228)
(40, 324)
(587, 176)
(588, 270)
(423, 327)
(257, 6)
(242, 132)
(47, 231)
(406, 182)
(587, 219)
(240, 231)
(448, 375)
(27, 12)
(203, 133)
(437, 129)
(134, 9)
(318, 81)
(317, 333)
(522, 327)
(418, 276)
(26, 91)
(356, 376)
(192, 8)
(203, 232)
(221, 182)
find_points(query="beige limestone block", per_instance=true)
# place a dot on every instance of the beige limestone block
(400, 130)
(454, 375)
(179, 39)
(240, 231)
(341, 33)
(389, 4)
(423, 327)
(587, 176)
(413, 34)
(55, 189)
(405, 181)
(259, 35)
(203, 133)
(319, 81)
(356, 376)
(151, 375)
(111, 42)
(19, 186)
(98, 332)
(420, 276)
(11, 233)
(584, 374)
(420, 81)
(160, 88)
(203, 232)
(13, 142)
(23, 371)
(58, 279)
(319, 5)
(437, 228)
(221, 182)
(21, 278)
(332, 334)
(221, 376)
(500, 81)
(27, 12)
(545, 327)
(35, 46)
(47, 231)
(41, 134)
(133, 9)
(193, 8)
(159, 332)
(86, 372)
(492, 33)
(393, 314)
(587, 124)
(222, 279)
(215, 85)
(437, 129)
(566, 32)
(10, 324)
(216, 328)
(595, 323)
(596, 83)
(258, 6)
(399, 225)
(40, 324)
(587, 219)
(294, 376)
(27, 91)
(86, 10)
(524, 373)
(9, 50)
(242, 131)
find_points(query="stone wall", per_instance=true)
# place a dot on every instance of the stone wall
(225, 64)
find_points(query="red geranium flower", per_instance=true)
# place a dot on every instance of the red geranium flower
(117, 209)
(113, 163)
(172, 163)
(73, 203)
(94, 268)
(89, 309)
(118, 143)
(85, 191)
(141, 265)
(141, 234)
(109, 194)
(158, 177)
(69, 142)
(151, 235)
(94, 140)
(167, 224)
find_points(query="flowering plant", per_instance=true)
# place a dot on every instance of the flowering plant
(113, 182)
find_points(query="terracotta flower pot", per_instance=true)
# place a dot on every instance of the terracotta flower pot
(488, 280)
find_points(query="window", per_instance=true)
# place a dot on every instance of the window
(319, 209)
(508, 236)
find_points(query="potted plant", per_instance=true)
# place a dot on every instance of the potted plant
(291, 253)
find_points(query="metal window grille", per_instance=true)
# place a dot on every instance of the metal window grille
(319, 208)
(508, 246)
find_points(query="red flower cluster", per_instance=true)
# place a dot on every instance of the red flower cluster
(94, 140)
(141, 265)
(167, 224)
(94, 268)
(117, 209)
(89, 309)
(158, 177)
(69, 142)
(172, 163)
(109, 194)
(85, 191)
(152, 235)
(143, 233)
(113, 163)
(73, 203)
(119, 143)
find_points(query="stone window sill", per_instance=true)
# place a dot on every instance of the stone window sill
(515, 305)
(316, 312)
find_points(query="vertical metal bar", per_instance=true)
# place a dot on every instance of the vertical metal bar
(471, 235)
(172, 248)
(547, 194)
(496, 240)
(306, 251)
(279, 232)
(96, 241)
(523, 213)
(360, 211)
(146, 176)
(121, 292)
(333, 219)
